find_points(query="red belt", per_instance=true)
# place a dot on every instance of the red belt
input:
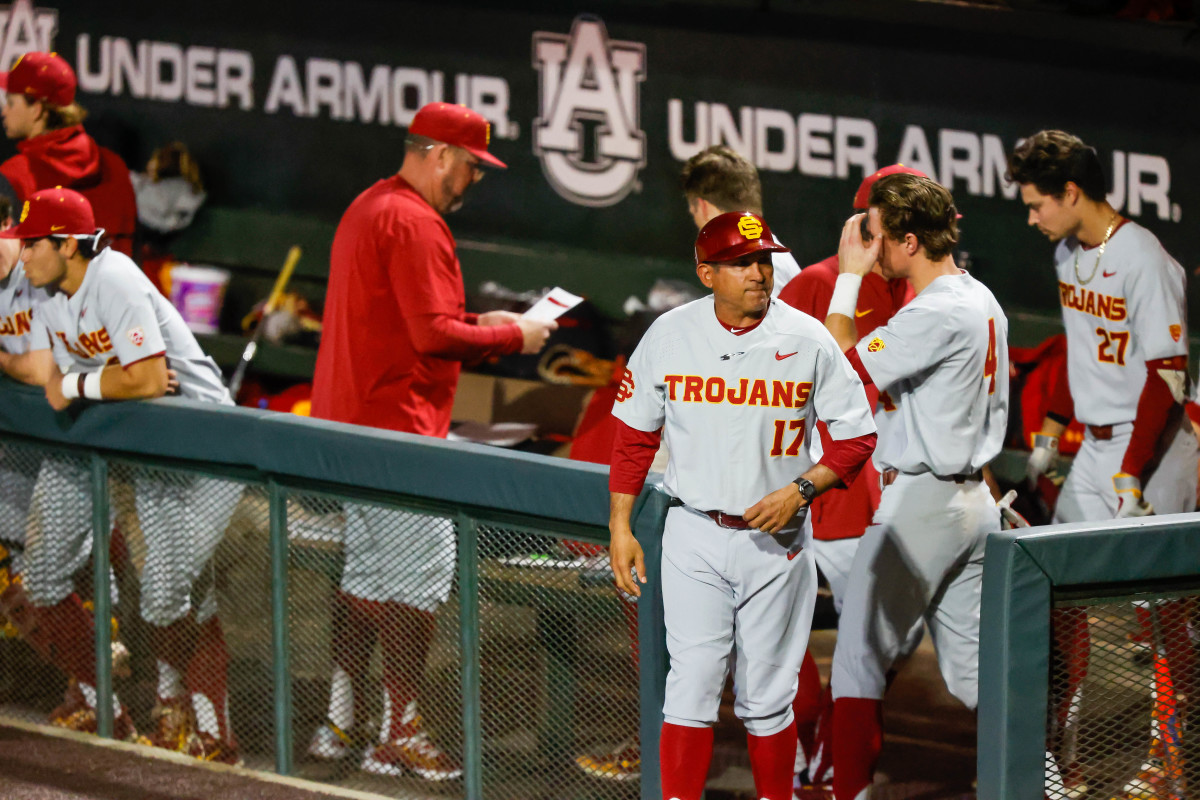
(1101, 432)
(728, 520)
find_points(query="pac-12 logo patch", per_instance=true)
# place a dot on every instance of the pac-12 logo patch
(749, 227)
(627, 387)
(136, 335)
(588, 129)
(875, 345)
(1176, 332)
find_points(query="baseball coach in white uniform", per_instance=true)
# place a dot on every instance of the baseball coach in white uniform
(735, 383)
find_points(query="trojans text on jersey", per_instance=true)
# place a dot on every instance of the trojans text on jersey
(756, 392)
(17, 324)
(89, 345)
(1089, 302)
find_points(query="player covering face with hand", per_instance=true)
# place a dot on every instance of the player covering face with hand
(943, 360)
(734, 382)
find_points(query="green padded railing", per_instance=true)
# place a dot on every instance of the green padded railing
(1101, 571)
(281, 468)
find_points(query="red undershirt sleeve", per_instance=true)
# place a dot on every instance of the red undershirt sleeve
(1153, 412)
(1062, 405)
(1193, 411)
(859, 367)
(847, 456)
(633, 452)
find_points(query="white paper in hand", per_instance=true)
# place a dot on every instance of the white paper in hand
(556, 303)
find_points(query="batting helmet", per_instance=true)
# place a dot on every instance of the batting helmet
(863, 196)
(730, 236)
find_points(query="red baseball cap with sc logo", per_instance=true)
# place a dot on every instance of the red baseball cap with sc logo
(43, 76)
(458, 126)
(53, 212)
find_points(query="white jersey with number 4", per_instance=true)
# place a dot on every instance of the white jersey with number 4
(1124, 308)
(737, 411)
(117, 315)
(941, 365)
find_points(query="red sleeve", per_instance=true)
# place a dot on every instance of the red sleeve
(856, 361)
(427, 284)
(1153, 413)
(847, 456)
(470, 318)
(807, 292)
(1193, 412)
(1062, 406)
(633, 452)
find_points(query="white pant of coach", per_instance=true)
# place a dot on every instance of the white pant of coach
(728, 589)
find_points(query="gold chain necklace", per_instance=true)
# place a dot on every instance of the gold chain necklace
(1112, 226)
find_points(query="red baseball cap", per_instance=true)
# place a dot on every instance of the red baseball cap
(458, 126)
(43, 76)
(53, 212)
(730, 236)
(863, 197)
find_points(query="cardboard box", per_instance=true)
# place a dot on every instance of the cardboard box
(556, 408)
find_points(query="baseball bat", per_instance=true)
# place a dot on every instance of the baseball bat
(273, 299)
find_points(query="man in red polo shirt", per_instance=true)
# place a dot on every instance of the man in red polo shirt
(53, 150)
(840, 518)
(395, 335)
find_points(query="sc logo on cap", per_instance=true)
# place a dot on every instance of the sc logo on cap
(750, 228)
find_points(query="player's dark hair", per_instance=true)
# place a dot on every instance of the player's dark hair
(1051, 159)
(920, 206)
(88, 247)
(6, 207)
(724, 178)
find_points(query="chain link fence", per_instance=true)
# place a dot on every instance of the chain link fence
(412, 669)
(1122, 670)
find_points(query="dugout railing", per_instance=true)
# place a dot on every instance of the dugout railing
(1087, 655)
(531, 663)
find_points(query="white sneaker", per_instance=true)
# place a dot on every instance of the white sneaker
(329, 743)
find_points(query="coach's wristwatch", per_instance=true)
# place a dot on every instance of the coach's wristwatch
(807, 490)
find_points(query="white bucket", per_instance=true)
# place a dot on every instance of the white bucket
(198, 292)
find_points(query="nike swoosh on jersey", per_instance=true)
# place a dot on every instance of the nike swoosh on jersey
(863, 313)
(1108, 274)
(787, 355)
(793, 555)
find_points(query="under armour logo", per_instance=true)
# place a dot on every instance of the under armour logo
(728, 356)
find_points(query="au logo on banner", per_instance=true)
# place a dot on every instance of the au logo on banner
(25, 29)
(588, 132)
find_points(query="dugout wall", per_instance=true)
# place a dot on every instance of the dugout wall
(531, 663)
(1086, 659)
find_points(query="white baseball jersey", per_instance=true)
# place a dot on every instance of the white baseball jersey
(1132, 310)
(17, 299)
(118, 316)
(943, 362)
(785, 268)
(737, 410)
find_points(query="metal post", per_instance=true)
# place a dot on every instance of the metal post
(468, 632)
(102, 601)
(280, 646)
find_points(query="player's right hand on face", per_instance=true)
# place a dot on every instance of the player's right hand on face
(624, 556)
(1042, 459)
(535, 334)
(855, 255)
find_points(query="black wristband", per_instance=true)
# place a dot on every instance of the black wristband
(82, 378)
